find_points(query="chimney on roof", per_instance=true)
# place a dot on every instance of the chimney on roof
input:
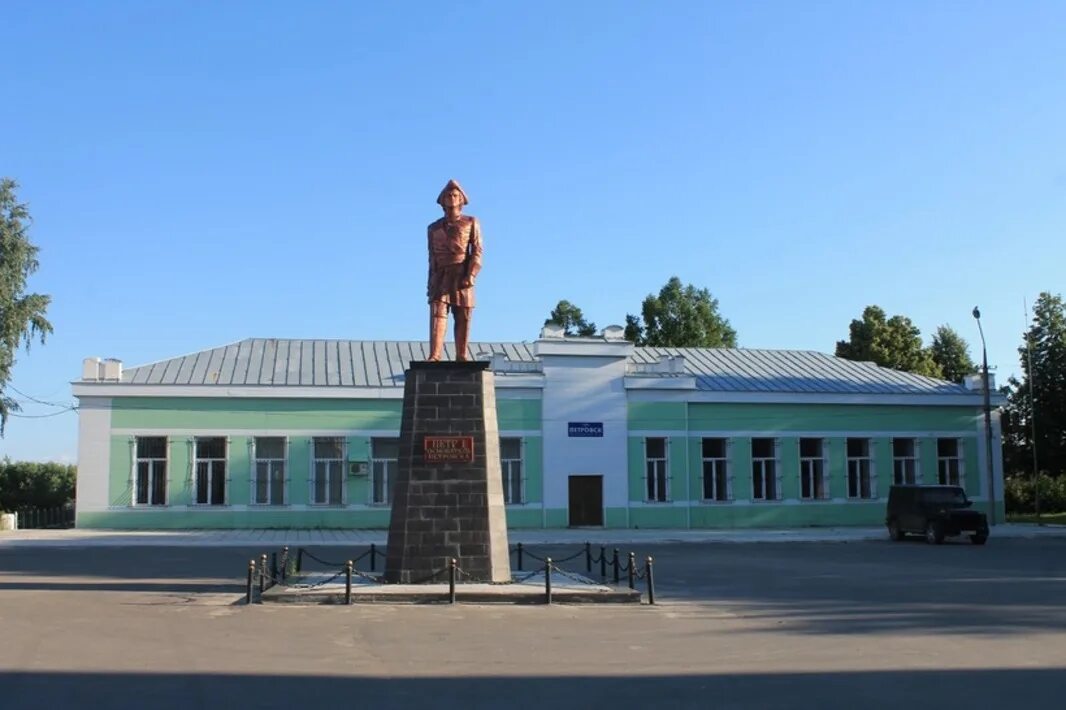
(92, 369)
(112, 370)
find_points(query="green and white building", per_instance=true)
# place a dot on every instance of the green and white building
(268, 433)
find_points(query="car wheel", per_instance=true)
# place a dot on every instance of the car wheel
(979, 538)
(894, 532)
(934, 533)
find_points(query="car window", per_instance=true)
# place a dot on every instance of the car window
(945, 496)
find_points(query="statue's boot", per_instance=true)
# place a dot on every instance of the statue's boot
(437, 327)
(462, 333)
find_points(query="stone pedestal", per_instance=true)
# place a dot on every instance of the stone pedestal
(448, 495)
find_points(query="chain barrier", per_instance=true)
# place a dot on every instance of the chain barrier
(304, 551)
(573, 576)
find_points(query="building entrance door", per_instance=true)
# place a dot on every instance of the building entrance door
(586, 501)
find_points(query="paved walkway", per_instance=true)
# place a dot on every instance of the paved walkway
(249, 538)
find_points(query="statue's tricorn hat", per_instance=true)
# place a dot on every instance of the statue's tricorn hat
(452, 185)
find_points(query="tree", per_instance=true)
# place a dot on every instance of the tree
(889, 342)
(572, 320)
(683, 317)
(1042, 390)
(22, 315)
(35, 485)
(951, 353)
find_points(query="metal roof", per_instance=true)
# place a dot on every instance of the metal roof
(376, 363)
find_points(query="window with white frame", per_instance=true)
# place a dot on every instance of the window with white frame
(764, 469)
(904, 461)
(269, 483)
(813, 485)
(210, 470)
(948, 462)
(511, 467)
(716, 483)
(656, 470)
(327, 471)
(150, 479)
(860, 469)
(384, 463)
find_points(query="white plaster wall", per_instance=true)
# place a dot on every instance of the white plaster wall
(94, 453)
(581, 388)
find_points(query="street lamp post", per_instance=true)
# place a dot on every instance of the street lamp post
(988, 421)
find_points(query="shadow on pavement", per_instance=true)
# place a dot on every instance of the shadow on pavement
(867, 689)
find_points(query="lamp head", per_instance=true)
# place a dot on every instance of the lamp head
(977, 313)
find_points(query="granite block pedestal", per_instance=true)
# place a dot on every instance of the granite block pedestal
(448, 496)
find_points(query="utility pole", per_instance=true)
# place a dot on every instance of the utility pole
(988, 422)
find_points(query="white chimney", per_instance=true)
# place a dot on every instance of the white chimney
(112, 370)
(91, 369)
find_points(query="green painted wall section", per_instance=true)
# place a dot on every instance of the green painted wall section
(616, 518)
(814, 417)
(270, 414)
(686, 466)
(524, 518)
(779, 515)
(651, 516)
(518, 414)
(203, 518)
(837, 469)
(662, 416)
(788, 459)
(740, 467)
(266, 414)
(635, 454)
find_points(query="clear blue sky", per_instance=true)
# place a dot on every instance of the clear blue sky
(199, 173)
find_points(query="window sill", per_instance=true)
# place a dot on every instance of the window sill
(258, 506)
(715, 501)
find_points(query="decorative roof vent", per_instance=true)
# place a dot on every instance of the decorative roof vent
(614, 332)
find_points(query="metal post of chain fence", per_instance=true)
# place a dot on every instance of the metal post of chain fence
(348, 582)
(273, 567)
(284, 563)
(519, 557)
(373, 557)
(299, 558)
(632, 570)
(451, 580)
(603, 563)
(651, 581)
(588, 557)
(548, 581)
(251, 579)
(262, 573)
(614, 561)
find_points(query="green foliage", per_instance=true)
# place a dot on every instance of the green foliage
(889, 342)
(571, 319)
(1041, 391)
(681, 316)
(22, 315)
(951, 353)
(1019, 494)
(24, 484)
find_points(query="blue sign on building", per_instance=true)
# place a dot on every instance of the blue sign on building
(585, 429)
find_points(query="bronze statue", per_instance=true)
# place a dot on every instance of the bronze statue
(454, 263)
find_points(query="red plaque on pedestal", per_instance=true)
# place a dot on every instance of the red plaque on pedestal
(448, 449)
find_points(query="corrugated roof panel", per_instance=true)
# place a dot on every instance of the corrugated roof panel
(181, 375)
(281, 361)
(255, 362)
(198, 374)
(380, 363)
(344, 366)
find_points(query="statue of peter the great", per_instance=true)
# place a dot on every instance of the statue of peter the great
(454, 263)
